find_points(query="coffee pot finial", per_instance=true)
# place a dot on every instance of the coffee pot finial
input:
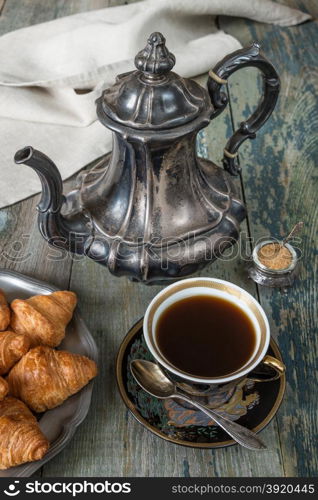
(155, 58)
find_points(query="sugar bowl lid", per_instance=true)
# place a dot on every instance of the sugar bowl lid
(153, 97)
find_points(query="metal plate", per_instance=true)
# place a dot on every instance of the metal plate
(59, 424)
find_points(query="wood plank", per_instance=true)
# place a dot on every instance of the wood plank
(279, 174)
(23, 249)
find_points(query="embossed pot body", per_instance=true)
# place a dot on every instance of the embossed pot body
(152, 209)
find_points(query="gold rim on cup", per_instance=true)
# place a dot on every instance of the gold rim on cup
(230, 289)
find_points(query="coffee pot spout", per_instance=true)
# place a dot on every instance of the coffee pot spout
(52, 187)
(56, 229)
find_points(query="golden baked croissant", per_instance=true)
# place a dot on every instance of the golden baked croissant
(44, 377)
(12, 347)
(5, 313)
(21, 437)
(4, 389)
(43, 318)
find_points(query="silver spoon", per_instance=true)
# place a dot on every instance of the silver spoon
(292, 233)
(152, 379)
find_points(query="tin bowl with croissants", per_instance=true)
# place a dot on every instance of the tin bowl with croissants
(47, 363)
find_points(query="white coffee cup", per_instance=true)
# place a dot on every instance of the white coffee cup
(214, 288)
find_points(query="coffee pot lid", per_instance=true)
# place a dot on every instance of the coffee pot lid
(154, 97)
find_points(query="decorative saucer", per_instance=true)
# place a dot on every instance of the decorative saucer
(252, 404)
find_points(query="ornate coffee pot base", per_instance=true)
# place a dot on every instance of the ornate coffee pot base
(158, 260)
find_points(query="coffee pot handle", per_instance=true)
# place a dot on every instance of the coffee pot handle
(218, 77)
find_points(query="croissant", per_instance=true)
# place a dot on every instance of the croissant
(5, 313)
(12, 347)
(43, 318)
(4, 388)
(21, 437)
(44, 377)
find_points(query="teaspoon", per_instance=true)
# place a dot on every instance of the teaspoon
(152, 379)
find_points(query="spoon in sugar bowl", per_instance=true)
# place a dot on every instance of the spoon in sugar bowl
(152, 379)
(274, 263)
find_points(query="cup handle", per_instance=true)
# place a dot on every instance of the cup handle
(274, 363)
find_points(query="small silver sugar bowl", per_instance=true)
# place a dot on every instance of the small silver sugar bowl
(273, 263)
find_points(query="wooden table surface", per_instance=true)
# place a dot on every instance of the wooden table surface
(279, 170)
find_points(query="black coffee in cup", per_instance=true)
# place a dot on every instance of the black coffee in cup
(206, 336)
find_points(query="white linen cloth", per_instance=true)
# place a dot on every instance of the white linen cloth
(43, 66)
